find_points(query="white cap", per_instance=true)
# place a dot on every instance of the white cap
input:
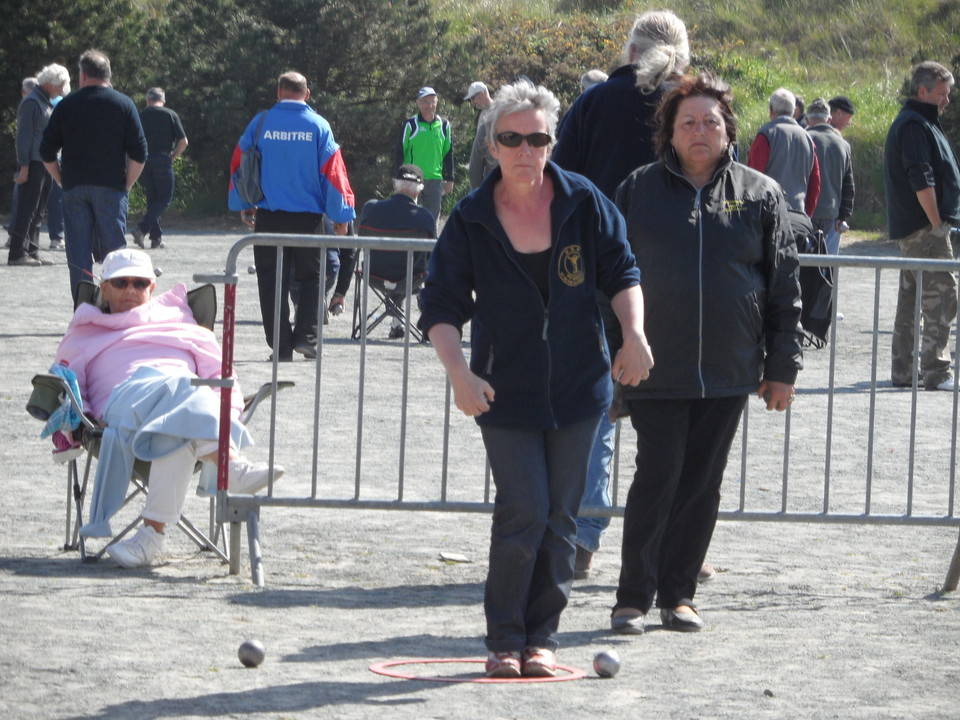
(127, 262)
(475, 88)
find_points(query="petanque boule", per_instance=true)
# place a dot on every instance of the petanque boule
(252, 269)
(606, 663)
(157, 271)
(251, 653)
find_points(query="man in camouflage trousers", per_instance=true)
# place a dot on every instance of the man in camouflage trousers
(922, 183)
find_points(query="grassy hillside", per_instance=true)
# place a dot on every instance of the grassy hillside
(860, 48)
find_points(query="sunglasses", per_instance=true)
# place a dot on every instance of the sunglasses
(124, 283)
(515, 139)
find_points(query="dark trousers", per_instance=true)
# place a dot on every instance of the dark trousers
(157, 180)
(31, 201)
(671, 511)
(306, 264)
(55, 212)
(539, 477)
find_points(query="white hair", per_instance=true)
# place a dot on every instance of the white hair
(782, 102)
(591, 78)
(658, 49)
(56, 75)
(407, 187)
(516, 98)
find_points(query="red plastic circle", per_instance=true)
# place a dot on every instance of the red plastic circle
(564, 672)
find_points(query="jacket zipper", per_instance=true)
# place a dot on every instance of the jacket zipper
(699, 223)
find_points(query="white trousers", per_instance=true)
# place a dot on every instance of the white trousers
(170, 477)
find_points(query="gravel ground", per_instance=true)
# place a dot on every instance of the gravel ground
(804, 619)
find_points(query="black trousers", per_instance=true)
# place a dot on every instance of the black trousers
(31, 201)
(671, 511)
(307, 266)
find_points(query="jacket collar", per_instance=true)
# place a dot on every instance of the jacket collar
(672, 163)
(927, 111)
(568, 191)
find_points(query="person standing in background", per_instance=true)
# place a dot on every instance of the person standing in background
(166, 141)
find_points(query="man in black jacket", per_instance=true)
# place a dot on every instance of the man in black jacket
(922, 183)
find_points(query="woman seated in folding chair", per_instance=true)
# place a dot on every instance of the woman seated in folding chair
(134, 361)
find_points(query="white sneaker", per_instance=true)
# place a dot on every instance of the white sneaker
(247, 478)
(138, 551)
(948, 384)
(57, 245)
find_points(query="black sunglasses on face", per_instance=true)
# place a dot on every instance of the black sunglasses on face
(515, 139)
(123, 283)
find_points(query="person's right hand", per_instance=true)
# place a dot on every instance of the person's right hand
(336, 304)
(472, 394)
(249, 217)
(21, 177)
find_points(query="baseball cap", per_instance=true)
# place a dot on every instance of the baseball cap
(127, 262)
(409, 172)
(475, 88)
(425, 91)
(818, 107)
(842, 102)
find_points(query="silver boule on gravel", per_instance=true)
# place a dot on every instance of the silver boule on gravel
(251, 653)
(606, 663)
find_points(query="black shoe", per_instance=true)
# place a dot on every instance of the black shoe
(283, 358)
(627, 624)
(137, 236)
(686, 621)
(307, 350)
(396, 333)
(157, 245)
(26, 261)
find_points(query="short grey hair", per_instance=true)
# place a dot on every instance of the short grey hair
(56, 75)
(407, 187)
(658, 48)
(591, 78)
(156, 94)
(28, 84)
(95, 65)
(782, 102)
(516, 98)
(928, 74)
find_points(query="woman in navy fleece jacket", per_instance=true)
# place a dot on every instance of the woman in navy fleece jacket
(521, 258)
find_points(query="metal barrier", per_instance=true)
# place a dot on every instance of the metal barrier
(868, 453)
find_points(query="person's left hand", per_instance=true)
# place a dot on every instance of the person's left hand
(336, 304)
(777, 395)
(341, 228)
(448, 187)
(249, 217)
(633, 362)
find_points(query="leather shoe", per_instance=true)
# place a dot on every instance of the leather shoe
(307, 350)
(683, 621)
(26, 261)
(627, 624)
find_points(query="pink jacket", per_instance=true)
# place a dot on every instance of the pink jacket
(104, 349)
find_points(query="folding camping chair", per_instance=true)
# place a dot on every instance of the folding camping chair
(388, 282)
(50, 392)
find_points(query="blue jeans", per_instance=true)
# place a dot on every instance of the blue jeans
(539, 477)
(95, 220)
(597, 490)
(157, 180)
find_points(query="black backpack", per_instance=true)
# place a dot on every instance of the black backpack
(816, 283)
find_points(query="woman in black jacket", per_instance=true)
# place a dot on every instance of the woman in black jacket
(720, 269)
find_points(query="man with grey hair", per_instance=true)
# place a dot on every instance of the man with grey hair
(784, 151)
(103, 153)
(166, 141)
(32, 179)
(835, 204)
(922, 187)
(481, 160)
(592, 77)
(398, 216)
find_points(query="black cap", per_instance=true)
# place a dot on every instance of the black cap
(842, 102)
(409, 172)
